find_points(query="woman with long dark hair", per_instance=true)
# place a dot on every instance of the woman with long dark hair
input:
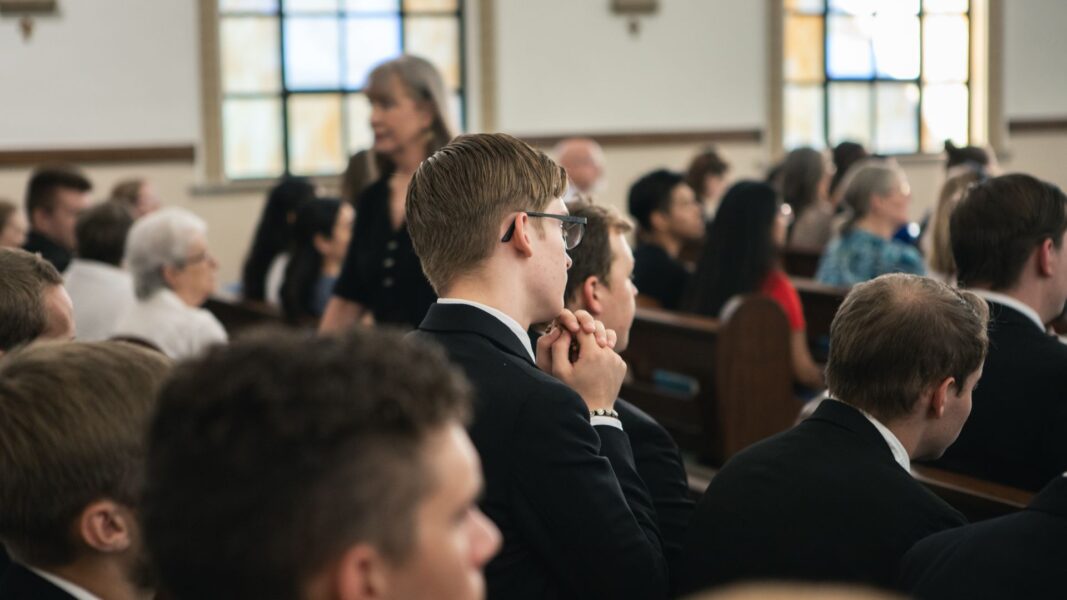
(273, 236)
(806, 175)
(382, 279)
(741, 256)
(321, 234)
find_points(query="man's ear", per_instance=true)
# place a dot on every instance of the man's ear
(658, 220)
(106, 526)
(170, 275)
(590, 292)
(360, 574)
(521, 239)
(939, 396)
(1045, 258)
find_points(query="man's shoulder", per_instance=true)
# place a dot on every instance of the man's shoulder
(20, 583)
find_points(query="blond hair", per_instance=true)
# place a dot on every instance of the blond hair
(952, 191)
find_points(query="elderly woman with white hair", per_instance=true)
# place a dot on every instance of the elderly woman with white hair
(173, 274)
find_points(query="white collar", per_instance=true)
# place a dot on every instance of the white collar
(74, 590)
(512, 324)
(1012, 303)
(899, 453)
(166, 297)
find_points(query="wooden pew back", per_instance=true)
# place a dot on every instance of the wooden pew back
(239, 315)
(801, 262)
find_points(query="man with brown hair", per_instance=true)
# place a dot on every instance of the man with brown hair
(72, 421)
(600, 282)
(488, 222)
(33, 301)
(833, 498)
(332, 468)
(55, 196)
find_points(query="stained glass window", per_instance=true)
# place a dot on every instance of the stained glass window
(293, 72)
(893, 75)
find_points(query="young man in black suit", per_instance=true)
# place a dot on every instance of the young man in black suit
(72, 421)
(1017, 556)
(600, 282)
(1008, 237)
(833, 498)
(487, 220)
(55, 196)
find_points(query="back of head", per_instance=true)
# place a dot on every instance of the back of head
(708, 162)
(459, 197)
(740, 249)
(274, 232)
(72, 423)
(101, 232)
(846, 154)
(801, 173)
(593, 257)
(314, 218)
(975, 157)
(45, 181)
(424, 84)
(157, 240)
(651, 193)
(26, 279)
(127, 192)
(999, 223)
(952, 191)
(304, 446)
(897, 335)
(864, 180)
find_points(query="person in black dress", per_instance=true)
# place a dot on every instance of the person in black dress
(382, 279)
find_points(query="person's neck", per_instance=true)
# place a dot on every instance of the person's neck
(47, 235)
(331, 267)
(1030, 295)
(876, 226)
(491, 293)
(670, 244)
(407, 160)
(106, 578)
(190, 299)
(907, 433)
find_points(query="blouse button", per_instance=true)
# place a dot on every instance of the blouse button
(388, 262)
(391, 245)
(387, 282)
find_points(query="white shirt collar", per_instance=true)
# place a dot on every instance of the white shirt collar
(512, 324)
(899, 453)
(1010, 302)
(74, 590)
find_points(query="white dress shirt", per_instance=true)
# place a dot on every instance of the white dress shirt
(78, 592)
(101, 294)
(179, 330)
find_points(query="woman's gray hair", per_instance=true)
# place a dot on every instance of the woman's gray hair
(424, 84)
(158, 240)
(865, 179)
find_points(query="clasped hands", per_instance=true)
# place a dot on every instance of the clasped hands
(579, 351)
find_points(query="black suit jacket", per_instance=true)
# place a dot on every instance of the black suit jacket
(1023, 555)
(659, 276)
(576, 518)
(20, 583)
(59, 256)
(822, 501)
(1017, 431)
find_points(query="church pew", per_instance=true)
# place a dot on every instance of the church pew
(820, 303)
(716, 385)
(975, 498)
(237, 315)
(801, 262)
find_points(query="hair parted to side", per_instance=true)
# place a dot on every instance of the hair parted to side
(458, 198)
(26, 277)
(999, 223)
(593, 257)
(45, 181)
(952, 191)
(101, 232)
(896, 335)
(72, 423)
(269, 457)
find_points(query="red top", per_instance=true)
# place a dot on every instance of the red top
(781, 290)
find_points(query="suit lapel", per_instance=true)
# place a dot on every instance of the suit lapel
(463, 318)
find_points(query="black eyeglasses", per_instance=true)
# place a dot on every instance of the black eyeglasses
(573, 228)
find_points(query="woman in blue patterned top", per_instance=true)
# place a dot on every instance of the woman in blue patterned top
(877, 195)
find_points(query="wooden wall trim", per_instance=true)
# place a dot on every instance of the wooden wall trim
(78, 156)
(651, 138)
(1037, 125)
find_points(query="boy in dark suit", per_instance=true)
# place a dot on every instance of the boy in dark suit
(487, 220)
(833, 498)
(1008, 237)
(72, 419)
(1017, 556)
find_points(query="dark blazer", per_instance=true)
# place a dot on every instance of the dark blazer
(660, 466)
(1023, 555)
(576, 518)
(20, 583)
(659, 276)
(1017, 432)
(822, 501)
(59, 256)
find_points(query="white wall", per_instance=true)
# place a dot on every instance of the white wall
(102, 73)
(1034, 50)
(571, 65)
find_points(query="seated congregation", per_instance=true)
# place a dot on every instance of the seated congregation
(441, 407)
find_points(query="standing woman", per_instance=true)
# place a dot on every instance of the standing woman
(382, 279)
(741, 256)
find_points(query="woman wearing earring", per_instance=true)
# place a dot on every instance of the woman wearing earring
(382, 279)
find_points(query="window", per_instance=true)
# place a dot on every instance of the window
(292, 72)
(894, 75)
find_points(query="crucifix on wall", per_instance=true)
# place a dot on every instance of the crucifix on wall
(26, 10)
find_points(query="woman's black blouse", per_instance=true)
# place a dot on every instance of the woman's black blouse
(381, 270)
